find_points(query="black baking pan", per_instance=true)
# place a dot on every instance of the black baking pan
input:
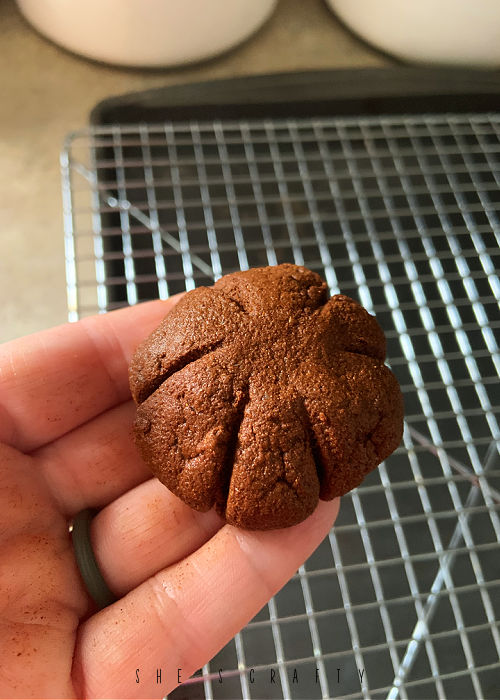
(366, 91)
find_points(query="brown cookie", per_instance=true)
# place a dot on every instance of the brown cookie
(260, 395)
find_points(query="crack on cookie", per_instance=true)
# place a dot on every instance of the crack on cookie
(363, 354)
(368, 437)
(176, 366)
(227, 468)
(313, 443)
(290, 487)
(239, 304)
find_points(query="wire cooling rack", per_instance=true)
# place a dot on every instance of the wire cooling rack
(402, 599)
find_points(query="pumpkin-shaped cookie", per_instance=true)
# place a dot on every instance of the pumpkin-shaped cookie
(260, 395)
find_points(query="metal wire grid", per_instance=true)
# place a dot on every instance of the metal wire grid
(403, 214)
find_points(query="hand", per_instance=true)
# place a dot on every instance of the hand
(186, 582)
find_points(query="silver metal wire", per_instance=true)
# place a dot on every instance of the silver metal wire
(402, 600)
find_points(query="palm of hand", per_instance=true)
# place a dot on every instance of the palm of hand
(43, 598)
(188, 584)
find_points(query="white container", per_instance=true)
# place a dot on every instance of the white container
(147, 33)
(452, 32)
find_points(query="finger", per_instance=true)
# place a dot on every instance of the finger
(183, 615)
(53, 381)
(148, 528)
(94, 464)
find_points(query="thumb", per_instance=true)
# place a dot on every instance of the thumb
(182, 616)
